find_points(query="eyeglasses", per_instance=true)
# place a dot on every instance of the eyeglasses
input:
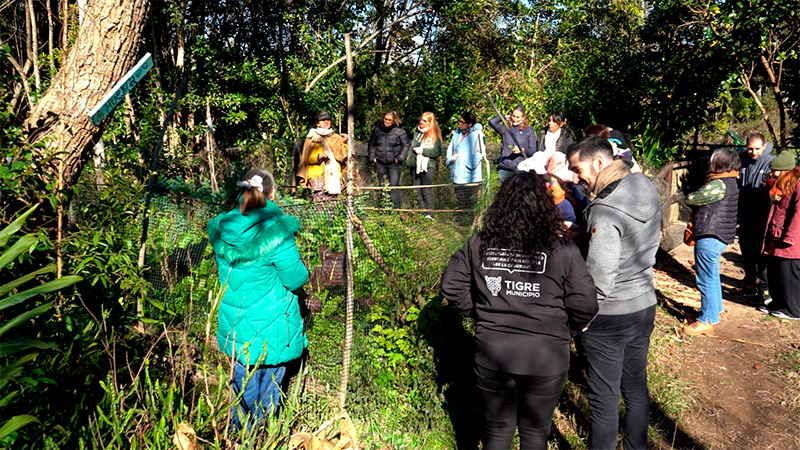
(461, 121)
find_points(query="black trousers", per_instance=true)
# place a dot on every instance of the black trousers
(784, 284)
(517, 400)
(616, 364)
(392, 172)
(424, 179)
(751, 239)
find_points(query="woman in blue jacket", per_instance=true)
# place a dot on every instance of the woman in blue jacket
(464, 158)
(259, 322)
(512, 154)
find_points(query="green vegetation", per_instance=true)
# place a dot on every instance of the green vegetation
(117, 354)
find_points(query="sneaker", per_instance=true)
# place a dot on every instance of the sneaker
(763, 309)
(698, 328)
(766, 297)
(783, 314)
(428, 216)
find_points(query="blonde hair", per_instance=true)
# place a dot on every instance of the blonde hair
(433, 127)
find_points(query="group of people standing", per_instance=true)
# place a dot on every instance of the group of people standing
(759, 191)
(390, 149)
(531, 290)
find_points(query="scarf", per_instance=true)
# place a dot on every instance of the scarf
(729, 174)
(615, 171)
(332, 175)
(551, 139)
(319, 132)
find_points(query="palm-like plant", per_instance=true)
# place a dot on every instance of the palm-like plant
(14, 354)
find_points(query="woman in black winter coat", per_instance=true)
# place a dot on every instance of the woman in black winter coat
(388, 148)
(529, 291)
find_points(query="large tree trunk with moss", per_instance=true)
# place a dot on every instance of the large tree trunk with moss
(107, 46)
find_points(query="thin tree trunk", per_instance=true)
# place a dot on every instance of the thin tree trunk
(22, 71)
(776, 91)
(210, 148)
(99, 156)
(64, 25)
(33, 45)
(745, 80)
(50, 56)
(103, 51)
(130, 119)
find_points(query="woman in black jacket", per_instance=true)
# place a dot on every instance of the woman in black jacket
(529, 291)
(388, 148)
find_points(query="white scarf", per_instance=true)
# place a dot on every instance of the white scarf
(319, 132)
(551, 139)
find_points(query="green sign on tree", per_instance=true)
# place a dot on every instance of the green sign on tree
(123, 86)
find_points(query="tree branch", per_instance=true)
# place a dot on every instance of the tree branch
(25, 85)
(369, 39)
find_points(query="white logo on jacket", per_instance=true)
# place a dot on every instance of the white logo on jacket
(494, 284)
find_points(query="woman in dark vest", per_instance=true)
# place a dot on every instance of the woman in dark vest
(715, 208)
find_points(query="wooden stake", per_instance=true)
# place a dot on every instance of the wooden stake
(348, 339)
(210, 148)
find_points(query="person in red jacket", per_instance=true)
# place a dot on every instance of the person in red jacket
(529, 291)
(782, 238)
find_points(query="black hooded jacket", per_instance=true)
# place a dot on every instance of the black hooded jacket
(526, 307)
(388, 144)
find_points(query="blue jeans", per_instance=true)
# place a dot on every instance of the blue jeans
(706, 261)
(503, 174)
(615, 348)
(262, 393)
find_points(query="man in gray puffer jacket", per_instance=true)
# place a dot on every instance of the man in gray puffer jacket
(624, 225)
(753, 213)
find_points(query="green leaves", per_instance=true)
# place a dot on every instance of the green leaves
(11, 369)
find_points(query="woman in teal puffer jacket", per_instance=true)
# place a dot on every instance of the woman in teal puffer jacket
(259, 317)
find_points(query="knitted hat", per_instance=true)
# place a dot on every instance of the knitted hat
(322, 115)
(784, 161)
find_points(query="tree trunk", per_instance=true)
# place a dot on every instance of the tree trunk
(64, 25)
(775, 81)
(33, 45)
(105, 49)
(50, 57)
(744, 78)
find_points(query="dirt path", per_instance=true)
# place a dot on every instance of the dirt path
(743, 384)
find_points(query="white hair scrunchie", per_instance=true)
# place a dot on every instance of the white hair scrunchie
(255, 182)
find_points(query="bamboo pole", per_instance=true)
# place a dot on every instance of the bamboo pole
(348, 339)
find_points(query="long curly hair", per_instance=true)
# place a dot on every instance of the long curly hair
(523, 217)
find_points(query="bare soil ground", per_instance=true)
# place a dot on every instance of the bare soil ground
(743, 384)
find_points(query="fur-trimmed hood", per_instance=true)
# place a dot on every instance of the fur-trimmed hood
(239, 238)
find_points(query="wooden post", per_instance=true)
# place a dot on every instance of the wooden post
(348, 337)
(210, 148)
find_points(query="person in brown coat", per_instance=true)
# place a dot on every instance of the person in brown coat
(323, 160)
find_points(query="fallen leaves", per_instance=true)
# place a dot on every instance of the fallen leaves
(185, 438)
(348, 437)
